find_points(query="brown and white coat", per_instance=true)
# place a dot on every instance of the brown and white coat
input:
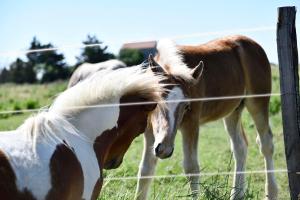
(60, 154)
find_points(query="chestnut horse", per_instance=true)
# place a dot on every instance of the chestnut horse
(233, 65)
(60, 153)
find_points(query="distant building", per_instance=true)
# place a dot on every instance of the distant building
(147, 47)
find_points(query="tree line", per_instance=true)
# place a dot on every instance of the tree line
(49, 66)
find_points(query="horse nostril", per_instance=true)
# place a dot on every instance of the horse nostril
(157, 149)
(170, 154)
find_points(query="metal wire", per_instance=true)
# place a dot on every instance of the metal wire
(147, 103)
(197, 174)
(241, 30)
(8, 53)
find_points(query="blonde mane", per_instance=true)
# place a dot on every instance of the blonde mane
(170, 58)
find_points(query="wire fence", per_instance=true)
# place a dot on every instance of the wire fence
(10, 53)
(205, 99)
(225, 32)
(171, 101)
(176, 37)
(194, 35)
(224, 173)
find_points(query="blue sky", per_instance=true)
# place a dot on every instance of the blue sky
(115, 22)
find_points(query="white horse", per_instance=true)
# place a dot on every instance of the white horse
(60, 154)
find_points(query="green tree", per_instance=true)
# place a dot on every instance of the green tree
(17, 72)
(29, 73)
(49, 65)
(5, 76)
(131, 56)
(94, 54)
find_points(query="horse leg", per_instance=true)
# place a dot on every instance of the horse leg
(147, 166)
(190, 134)
(258, 109)
(239, 147)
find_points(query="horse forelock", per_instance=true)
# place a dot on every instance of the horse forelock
(170, 58)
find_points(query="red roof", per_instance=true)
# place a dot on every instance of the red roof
(140, 45)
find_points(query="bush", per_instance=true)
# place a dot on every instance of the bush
(131, 56)
(275, 105)
(3, 115)
(31, 104)
(17, 107)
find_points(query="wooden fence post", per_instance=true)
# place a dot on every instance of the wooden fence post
(289, 86)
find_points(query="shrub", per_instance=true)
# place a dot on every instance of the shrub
(31, 104)
(16, 107)
(275, 105)
(131, 56)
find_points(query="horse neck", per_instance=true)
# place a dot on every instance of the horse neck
(93, 122)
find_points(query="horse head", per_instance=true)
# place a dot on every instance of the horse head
(131, 123)
(165, 120)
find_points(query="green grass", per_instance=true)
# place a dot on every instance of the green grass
(19, 97)
(214, 151)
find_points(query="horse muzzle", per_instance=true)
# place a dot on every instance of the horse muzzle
(162, 152)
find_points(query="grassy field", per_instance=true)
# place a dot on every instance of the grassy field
(215, 154)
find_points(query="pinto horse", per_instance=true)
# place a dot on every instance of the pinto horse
(86, 70)
(60, 153)
(233, 66)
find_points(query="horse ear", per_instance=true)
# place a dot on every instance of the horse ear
(198, 70)
(151, 60)
(154, 66)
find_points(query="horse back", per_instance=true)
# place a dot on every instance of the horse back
(233, 66)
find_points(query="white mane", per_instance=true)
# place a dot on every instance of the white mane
(101, 88)
(105, 87)
(170, 55)
(49, 126)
